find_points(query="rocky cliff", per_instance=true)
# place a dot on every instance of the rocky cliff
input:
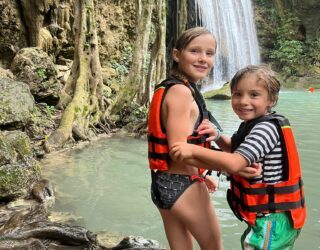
(289, 38)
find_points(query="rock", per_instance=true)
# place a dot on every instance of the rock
(308, 13)
(5, 73)
(64, 217)
(31, 228)
(219, 94)
(137, 242)
(15, 111)
(13, 35)
(18, 169)
(108, 239)
(22, 244)
(43, 190)
(36, 68)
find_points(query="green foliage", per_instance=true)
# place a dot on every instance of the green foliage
(132, 113)
(289, 52)
(50, 110)
(8, 178)
(122, 67)
(85, 110)
(313, 51)
(41, 72)
(288, 55)
(288, 29)
(77, 109)
(264, 3)
(140, 112)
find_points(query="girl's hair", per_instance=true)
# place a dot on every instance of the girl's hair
(264, 75)
(185, 38)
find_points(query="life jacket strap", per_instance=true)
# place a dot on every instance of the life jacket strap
(197, 140)
(269, 189)
(272, 207)
(191, 140)
(159, 156)
(154, 139)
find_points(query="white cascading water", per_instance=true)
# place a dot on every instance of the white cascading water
(232, 23)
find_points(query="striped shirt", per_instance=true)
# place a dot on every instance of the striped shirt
(263, 145)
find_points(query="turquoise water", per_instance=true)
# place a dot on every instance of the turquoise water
(107, 183)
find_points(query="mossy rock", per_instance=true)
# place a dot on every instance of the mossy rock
(18, 170)
(219, 94)
(16, 103)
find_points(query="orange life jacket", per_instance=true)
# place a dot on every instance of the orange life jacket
(158, 150)
(247, 200)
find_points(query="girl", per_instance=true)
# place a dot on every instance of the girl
(176, 111)
(273, 203)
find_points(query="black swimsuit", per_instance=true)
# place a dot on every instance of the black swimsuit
(166, 188)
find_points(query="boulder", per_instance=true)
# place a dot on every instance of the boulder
(13, 34)
(137, 242)
(219, 94)
(15, 110)
(5, 73)
(34, 67)
(18, 170)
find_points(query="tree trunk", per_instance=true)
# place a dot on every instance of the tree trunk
(33, 12)
(157, 65)
(182, 17)
(135, 80)
(177, 20)
(82, 94)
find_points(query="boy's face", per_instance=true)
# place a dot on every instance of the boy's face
(197, 59)
(250, 99)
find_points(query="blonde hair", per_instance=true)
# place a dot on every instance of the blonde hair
(264, 75)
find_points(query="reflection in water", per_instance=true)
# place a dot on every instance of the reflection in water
(107, 183)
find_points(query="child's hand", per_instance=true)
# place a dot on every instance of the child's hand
(206, 127)
(211, 183)
(180, 151)
(252, 171)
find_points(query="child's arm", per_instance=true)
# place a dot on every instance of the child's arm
(229, 162)
(264, 133)
(250, 172)
(223, 141)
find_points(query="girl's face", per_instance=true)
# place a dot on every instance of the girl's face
(250, 99)
(196, 60)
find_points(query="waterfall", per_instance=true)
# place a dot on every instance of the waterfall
(232, 23)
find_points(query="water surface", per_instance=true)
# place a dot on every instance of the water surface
(107, 183)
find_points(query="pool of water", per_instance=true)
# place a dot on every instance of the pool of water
(107, 183)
